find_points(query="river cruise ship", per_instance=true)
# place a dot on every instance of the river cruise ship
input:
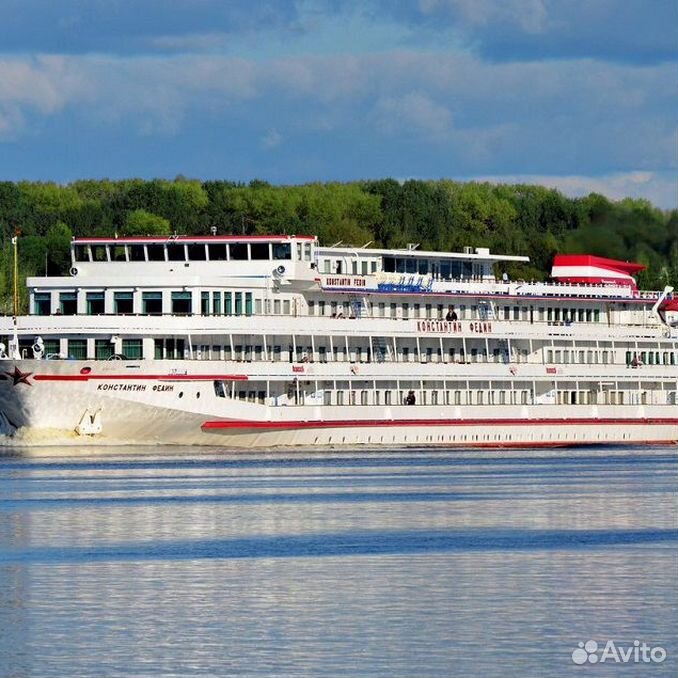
(265, 341)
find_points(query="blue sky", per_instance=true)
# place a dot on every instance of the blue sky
(578, 94)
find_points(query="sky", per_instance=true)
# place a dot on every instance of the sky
(577, 94)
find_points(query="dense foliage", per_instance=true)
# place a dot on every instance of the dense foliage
(444, 215)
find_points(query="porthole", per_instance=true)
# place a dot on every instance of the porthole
(181, 394)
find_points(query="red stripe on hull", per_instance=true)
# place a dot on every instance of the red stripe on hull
(385, 423)
(138, 377)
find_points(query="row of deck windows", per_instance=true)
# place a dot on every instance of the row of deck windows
(243, 303)
(76, 349)
(363, 267)
(176, 251)
(181, 303)
(381, 350)
(295, 396)
(444, 269)
(407, 310)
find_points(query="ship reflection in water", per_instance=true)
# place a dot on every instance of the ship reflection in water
(412, 563)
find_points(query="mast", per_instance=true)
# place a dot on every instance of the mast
(16, 355)
(15, 241)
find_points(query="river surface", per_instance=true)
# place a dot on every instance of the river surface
(408, 563)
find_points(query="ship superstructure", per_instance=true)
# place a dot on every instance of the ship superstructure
(275, 340)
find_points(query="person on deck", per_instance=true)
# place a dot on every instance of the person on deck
(451, 314)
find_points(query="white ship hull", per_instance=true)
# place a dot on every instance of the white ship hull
(114, 403)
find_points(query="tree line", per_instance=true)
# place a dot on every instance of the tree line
(439, 215)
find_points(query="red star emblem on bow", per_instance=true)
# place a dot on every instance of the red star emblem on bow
(19, 377)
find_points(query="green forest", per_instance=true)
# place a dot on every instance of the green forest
(440, 215)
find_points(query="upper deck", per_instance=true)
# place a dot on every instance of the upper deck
(287, 274)
(197, 255)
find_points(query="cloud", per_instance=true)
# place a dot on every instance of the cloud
(125, 27)
(399, 113)
(632, 31)
(528, 15)
(272, 139)
(622, 31)
(413, 111)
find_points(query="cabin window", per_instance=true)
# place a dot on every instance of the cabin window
(204, 303)
(136, 253)
(155, 252)
(80, 252)
(363, 267)
(123, 303)
(238, 303)
(216, 303)
(181, 303)
(152, 303)
(95, 303)
(77, 349)
(282, 251)
(259, 251)
(42, 303)
(132, 349)
(248, 303)
(217, 251)
(176, 252)
(99, 253)
(118, 253)
(596, 315)
(286, 307)
(103, 349)
(228, 303)
(174, 349)
(68, 303)
(307, 251)
(196, 252)
(238, 251)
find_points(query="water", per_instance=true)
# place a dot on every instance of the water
(409, 563)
